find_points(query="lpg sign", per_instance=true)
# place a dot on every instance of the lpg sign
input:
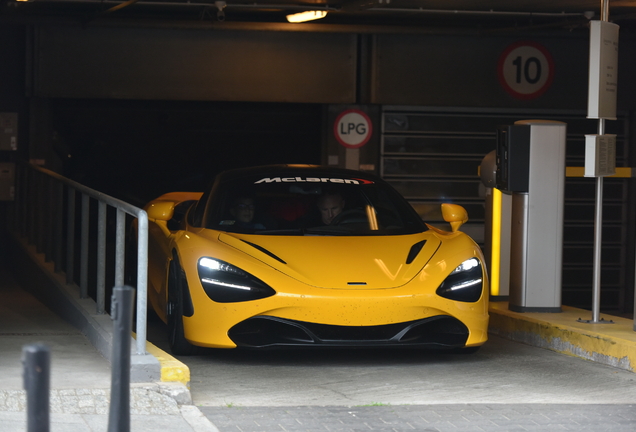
(353, 128)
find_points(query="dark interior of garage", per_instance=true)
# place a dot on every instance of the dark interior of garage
(138, 150)
(157, 97)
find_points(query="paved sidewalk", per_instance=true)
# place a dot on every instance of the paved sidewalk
(80, 376)
(145, 399)
(153, 407)
(185, 418)
(425, 418)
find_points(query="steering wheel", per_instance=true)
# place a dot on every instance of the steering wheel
(350, 217)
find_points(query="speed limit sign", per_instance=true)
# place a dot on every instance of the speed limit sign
(525, 70)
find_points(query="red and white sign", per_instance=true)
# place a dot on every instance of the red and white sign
(353, 128)
(525, 70)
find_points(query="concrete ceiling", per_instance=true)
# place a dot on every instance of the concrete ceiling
(486, 15)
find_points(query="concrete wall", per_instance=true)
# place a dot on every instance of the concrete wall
(329, 68)
(183, 64)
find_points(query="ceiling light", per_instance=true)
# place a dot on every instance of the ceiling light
(306, 16)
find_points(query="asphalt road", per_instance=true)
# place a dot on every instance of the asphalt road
(505, 386)
(500, 372)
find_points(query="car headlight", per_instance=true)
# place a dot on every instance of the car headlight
(225, 283)
(465, 283)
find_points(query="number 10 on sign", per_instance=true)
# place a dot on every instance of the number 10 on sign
(525, 70)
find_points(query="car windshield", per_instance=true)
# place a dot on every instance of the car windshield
(302, 205)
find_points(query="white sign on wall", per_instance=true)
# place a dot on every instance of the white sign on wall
(525, 70)
(600, 155)
(353, 128)
(601, 100)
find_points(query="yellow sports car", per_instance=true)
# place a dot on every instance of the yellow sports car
(298, 255)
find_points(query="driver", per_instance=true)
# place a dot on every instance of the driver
(330, 205)
(243, 211)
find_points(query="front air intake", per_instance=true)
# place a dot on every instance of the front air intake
(433, 332)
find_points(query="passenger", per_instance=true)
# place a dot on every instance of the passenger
(243, 211)
(330, 205)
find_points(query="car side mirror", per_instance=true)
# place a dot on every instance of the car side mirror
(454, 214)
(161, 210)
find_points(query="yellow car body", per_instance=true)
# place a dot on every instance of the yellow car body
(318, 289)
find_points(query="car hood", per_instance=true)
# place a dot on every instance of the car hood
(341, 262)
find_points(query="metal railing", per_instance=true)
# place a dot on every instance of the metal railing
(45, 215)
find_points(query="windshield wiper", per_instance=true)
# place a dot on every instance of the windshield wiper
(316, 231)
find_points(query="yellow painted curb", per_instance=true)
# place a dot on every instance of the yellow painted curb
(580, 172)
(612, 344)
(172, 370)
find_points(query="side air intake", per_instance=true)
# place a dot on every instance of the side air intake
(415, 249)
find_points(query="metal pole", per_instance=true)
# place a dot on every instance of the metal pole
(142, 280)
(120, 250)
(598, 243)
(24, 216)
(40, 204)
(19, 214)
(58, 234)
(121, 313)
(36, 366)
(598, 228)
(31, 198)
(84, 248)
(70, 237)
(101, 257)
(48, 223)
(604, 10)
(598, 214)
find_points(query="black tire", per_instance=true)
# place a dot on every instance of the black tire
(130, 271)
(174, 311)
(130, 261)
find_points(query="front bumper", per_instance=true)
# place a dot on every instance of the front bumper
(266, 331)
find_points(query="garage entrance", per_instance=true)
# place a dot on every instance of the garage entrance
(138, 150)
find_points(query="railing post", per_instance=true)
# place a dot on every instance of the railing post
(101, 258)
(70, 236)
(20, 213)
(31, 198)
(121, 313)
(84, 248)
(36, 364)
(142, 280)
(120, 248)
(48, 218)
(41, 204)
(58, 234)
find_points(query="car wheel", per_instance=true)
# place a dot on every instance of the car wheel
(178, 343)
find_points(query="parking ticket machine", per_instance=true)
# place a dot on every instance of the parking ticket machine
(530, 160)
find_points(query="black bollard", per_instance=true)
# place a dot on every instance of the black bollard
(121, 312)
(36, 372)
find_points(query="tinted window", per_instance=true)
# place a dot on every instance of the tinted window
(304, 205)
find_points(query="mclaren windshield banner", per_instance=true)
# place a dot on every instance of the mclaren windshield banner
(312, 180)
